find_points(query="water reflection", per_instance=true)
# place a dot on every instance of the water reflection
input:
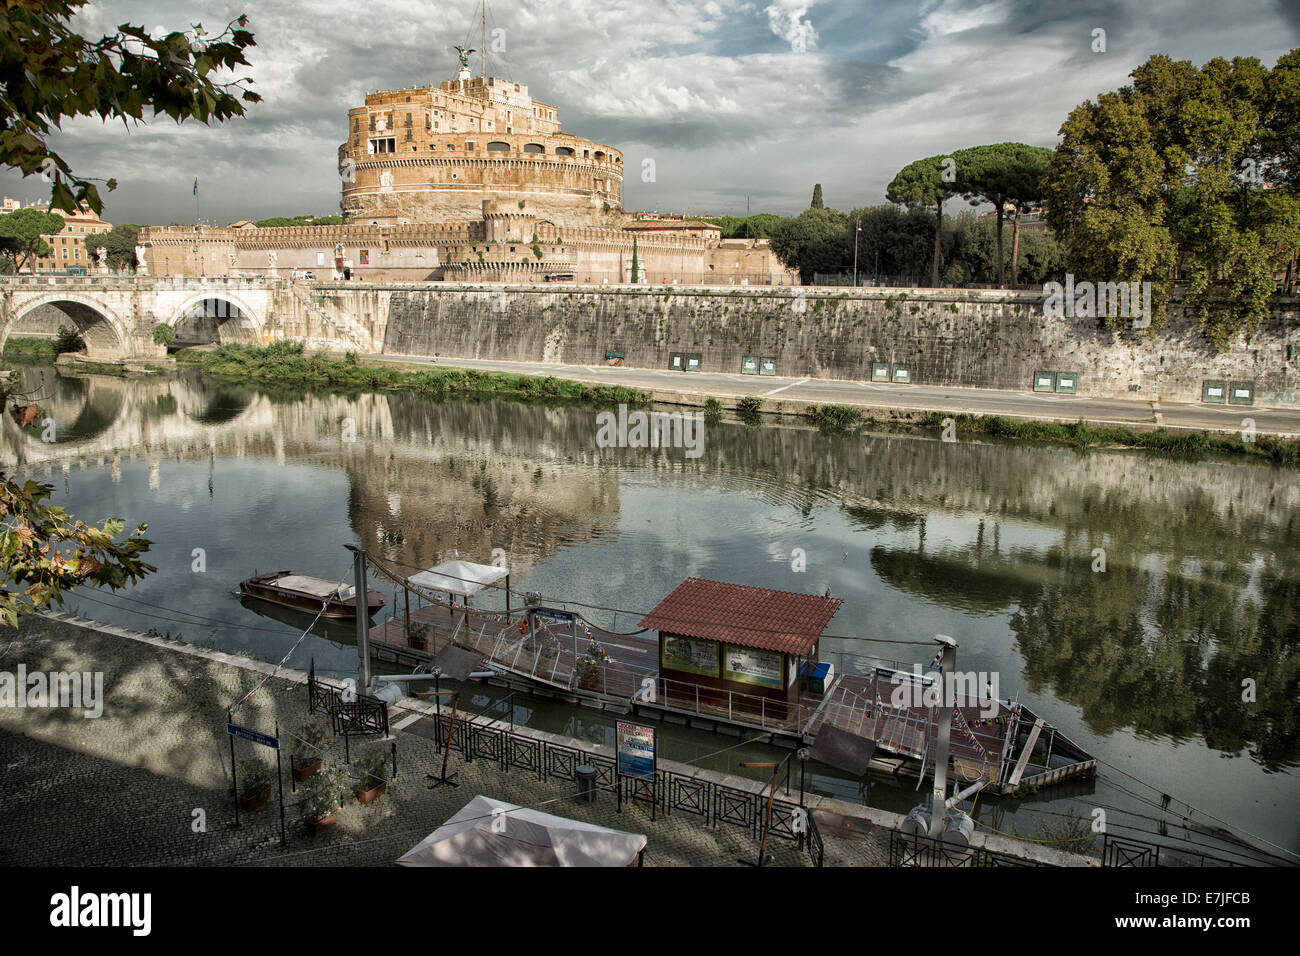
(995, 544)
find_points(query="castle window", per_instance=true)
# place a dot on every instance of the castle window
(498, 147)
(372, 124)
(534, 148)
(386, 145)
(408, 115)
(563, 151)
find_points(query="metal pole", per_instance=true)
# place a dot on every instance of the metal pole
(857, 228)
(363, 625)
(234, 774)
(279, 780)
(938, 812)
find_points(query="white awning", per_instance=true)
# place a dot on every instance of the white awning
(459, 577)
(488, 832)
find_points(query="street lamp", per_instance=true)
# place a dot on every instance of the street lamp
(857, 231)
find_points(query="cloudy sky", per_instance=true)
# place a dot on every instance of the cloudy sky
(729, 98)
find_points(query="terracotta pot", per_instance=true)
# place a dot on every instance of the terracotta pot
(368, 796)
(254, 799)
(417, 644)
(302, 769)
(317, 827)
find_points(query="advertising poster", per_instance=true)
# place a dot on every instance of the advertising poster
(753, 667)
(692, 654)
(636, 751)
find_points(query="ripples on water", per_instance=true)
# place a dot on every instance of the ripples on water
(994, 544)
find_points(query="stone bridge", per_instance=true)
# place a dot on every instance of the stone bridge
(117, 315)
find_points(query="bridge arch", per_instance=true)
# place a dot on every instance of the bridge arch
(104, 331)
(223, 315)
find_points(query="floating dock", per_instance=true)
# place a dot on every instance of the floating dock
(554, 653)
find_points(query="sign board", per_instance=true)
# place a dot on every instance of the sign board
(265, 740)
(636, 750)
(1044, 381)
(553, 613)
(693, 361)
(1066, 382)
(880, 371)
(749, 365)
(767, 367)
(675, 362)
(1241, 393)
(1216, 392)
(749, 666)
(692, 654)
(902, 373)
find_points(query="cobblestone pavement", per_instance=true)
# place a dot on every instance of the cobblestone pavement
(148, 782)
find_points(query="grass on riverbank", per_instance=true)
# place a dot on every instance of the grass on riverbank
(287, 363)
(27, 348)
(1080, 434)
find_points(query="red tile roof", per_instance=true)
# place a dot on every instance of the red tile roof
(739, 614)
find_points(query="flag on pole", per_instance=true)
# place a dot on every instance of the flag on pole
(196, 187)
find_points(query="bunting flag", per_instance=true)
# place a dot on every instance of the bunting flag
(959, 720)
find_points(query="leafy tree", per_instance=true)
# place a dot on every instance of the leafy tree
(817, 198)
(164, 334)
(68, 340)
(635, 265)
(809, 242)
(119, 246)
(1003, 174)
(926, 182)
(49, 73)
(21, 233)
(45, 551)
(757, 226)
(1168, 178)
(299, 221)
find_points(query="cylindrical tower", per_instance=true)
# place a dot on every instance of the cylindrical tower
(429, 154)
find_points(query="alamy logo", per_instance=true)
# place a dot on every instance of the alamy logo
(134, 910)
(1112, 300)
(651, 430)
(77, 690)
(924, 690)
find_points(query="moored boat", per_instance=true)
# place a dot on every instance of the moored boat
(308, 594)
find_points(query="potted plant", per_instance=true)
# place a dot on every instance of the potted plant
(374, 766)
(309, 743)
(589, 665)
(417, 636)
(320, 801)
(255, 783)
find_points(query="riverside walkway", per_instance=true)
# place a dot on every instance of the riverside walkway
(131, 787)
(1140, 412)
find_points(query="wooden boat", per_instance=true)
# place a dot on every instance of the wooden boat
(308, 594)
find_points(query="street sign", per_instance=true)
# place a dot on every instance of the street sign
(264, 739)
(553, 613)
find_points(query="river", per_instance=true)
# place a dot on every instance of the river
(1135, 602)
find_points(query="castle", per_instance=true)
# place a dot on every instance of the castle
(472, 181)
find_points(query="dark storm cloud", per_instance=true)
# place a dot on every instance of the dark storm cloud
(729, 97)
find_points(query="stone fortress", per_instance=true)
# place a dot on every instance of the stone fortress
(472, 181)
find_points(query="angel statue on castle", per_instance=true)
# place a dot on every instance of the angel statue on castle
(464, 55)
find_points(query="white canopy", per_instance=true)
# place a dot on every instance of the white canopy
(459, 577)
(488, 832)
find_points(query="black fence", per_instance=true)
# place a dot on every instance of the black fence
(714, 803)
(1126, 851)
(909, 850)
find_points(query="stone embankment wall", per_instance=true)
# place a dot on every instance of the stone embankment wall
(945, 337)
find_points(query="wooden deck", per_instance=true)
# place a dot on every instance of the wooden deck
(861, 705)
